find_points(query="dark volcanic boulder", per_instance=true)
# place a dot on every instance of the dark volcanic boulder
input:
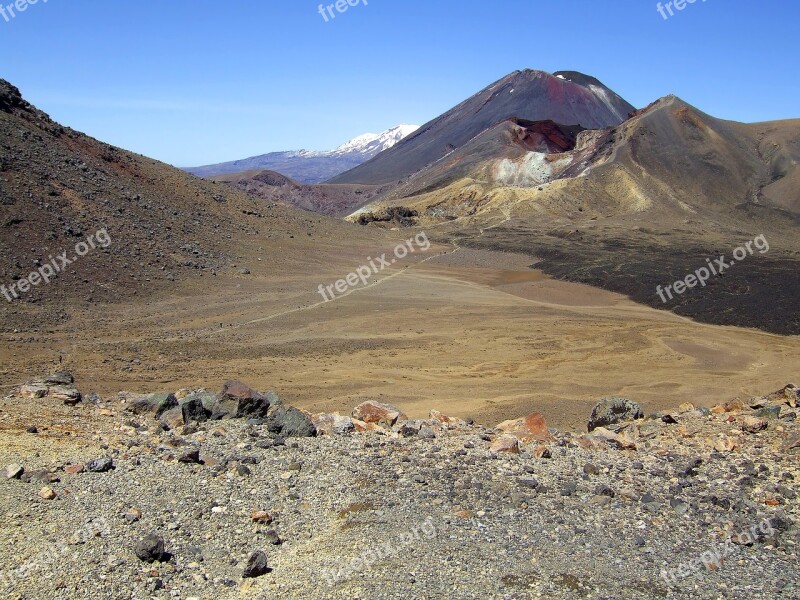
(290, 422)
(151, 549)
(614, 410)
(193, 410)
(237, 400)
(153, 404)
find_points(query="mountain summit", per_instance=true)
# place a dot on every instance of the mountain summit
(310, 166)
(565, 97)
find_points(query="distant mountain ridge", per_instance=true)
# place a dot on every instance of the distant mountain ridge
(311, 166)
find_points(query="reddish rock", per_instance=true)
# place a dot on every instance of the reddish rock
(262, 517)
(435, 415)
(527, 429)
(734, 405)
(74, 469)
(379, 413)
(506, 443)
(239, 400)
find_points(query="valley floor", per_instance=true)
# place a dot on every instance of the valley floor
(473, 333)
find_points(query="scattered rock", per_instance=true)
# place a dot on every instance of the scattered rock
(100, 465)
(290, 422)
(753, 424)
(240, 401)
(47, 493)
(610, 411)
(333, 424)
(151, 549)
(14, 471)
(153, 404)
(378, 413)
(256, 565)
(506, 443)
(191, 456)
(768, 412)
(527, 429)
(261, 517)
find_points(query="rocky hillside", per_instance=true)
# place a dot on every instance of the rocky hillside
(59, 187)
(196, 494)
(327, 199)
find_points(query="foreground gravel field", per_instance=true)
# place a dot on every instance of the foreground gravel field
(691, 504)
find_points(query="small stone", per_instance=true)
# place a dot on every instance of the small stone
(74, 469)
(256, 565)
(100, 465)
(603, 490)
(31, 429)
(542, 452)
(686, 407)
(570, 489)
(272, 537)
(47, 493)
(133, 515)
(262, 517)
(427, 433)
(591, 469)
(753, 425)
(724, 444)
(679, 506)
(151, 549)
(191, 456)
(669, 420)
(14, 471)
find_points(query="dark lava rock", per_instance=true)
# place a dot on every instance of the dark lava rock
(614, 410)
(290, 422)
(153, 404)
(769, 412)
(239, 401)
(32, 429)
(194, 410)
(256, 565)
(190, 456)
(99, 465)
(570, 489)
(151, 549)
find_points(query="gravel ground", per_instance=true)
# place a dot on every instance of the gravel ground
(378, 515)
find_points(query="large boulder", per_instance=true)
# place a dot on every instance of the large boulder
(154, 405)
(610, 411)
(333, 424)
(379, 413)
(237, 400)
(58, 386)
(527, 429)
(290, 422)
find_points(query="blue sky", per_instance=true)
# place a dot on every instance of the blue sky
(199, 81)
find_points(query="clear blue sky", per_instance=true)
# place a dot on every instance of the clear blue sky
(199, 81)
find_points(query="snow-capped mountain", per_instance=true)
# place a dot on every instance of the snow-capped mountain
(310, 166)
(373, 143)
